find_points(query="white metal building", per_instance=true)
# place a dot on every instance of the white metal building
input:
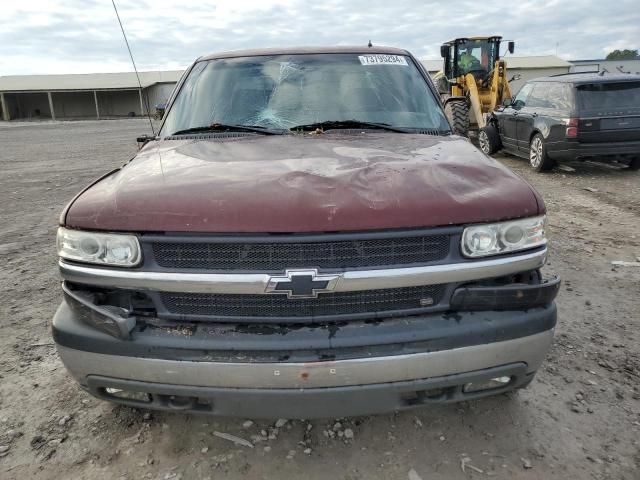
(534, 67)
(527, 67)
(95, 95)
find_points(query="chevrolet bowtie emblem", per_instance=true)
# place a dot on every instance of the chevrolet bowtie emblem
(302, 283)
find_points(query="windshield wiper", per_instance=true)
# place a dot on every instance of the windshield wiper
(338, 124)
(221, 127)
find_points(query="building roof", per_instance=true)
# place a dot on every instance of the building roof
(540, 61)
(543, 61)
(88, 81)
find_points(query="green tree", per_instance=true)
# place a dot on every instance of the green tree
(623, 55)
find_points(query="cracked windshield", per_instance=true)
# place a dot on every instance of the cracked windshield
(286, 91)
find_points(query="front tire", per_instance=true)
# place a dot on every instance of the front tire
(538, 158)
(489, 139)
(457, 111)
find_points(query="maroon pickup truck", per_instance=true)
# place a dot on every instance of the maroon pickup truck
(304, 238)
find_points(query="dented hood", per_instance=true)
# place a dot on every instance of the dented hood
(304, 183)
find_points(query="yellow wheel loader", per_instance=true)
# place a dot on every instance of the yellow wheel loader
(472, 83)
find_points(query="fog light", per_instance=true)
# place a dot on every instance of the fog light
(128, 394)
(490, 384)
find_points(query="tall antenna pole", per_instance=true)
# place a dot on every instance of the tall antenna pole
(146, 100)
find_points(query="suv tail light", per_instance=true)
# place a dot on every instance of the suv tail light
(572, 127)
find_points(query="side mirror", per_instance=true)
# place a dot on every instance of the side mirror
(507, 102)
(511, 46)
(444, 51)
(515, 78)
(143, 140)
(160, 108)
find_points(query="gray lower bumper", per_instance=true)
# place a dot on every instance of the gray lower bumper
(308, 403)
(529, 350)
(307, 390)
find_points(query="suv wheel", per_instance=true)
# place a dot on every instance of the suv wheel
(538, 157)
(457, 112)
(634, 164)
(489, 139)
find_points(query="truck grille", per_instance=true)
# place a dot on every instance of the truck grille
(278, 256)
(372, 303)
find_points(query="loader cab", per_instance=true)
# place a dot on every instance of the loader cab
(471, 55)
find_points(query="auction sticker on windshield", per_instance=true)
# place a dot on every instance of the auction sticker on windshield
(383, 60)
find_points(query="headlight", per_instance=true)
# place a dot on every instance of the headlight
(101, 248)
(503, 237)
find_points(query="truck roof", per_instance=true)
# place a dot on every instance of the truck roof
(362, 49)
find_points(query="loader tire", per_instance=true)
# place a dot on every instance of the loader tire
(457, 112)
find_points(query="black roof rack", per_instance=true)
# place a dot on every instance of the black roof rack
(589, 77)
(590, 72)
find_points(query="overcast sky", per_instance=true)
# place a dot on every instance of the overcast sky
(82, 36)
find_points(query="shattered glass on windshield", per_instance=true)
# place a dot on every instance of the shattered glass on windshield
(285, 91)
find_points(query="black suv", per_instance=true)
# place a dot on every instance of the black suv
(569, 117)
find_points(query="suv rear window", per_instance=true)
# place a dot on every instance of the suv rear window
(595, 96)
(285, 91)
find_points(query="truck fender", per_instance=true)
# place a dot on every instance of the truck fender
(491, 119)
(63, 215)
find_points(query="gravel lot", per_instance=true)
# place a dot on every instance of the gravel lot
(579, 419)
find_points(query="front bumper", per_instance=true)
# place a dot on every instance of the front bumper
(492, 324)
(305, 372)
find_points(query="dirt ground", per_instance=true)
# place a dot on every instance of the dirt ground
(579, 419)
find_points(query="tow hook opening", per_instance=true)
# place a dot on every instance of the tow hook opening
(181, 403)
